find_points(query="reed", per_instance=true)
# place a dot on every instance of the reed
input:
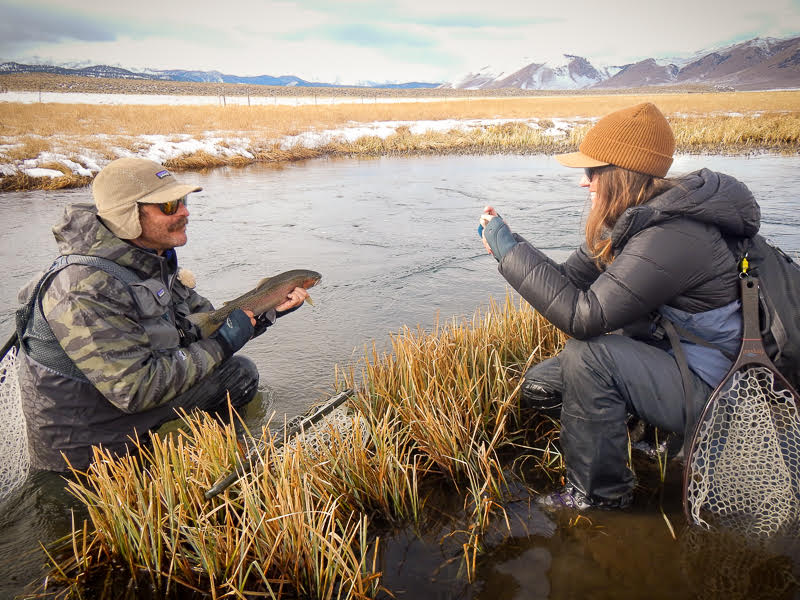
(240, 135)
(441, 406)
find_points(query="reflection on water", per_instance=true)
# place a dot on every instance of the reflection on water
(396, 243)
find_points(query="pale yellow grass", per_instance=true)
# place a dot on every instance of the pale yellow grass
(703, 122)
(82, 119)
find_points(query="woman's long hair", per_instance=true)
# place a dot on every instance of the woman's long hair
(618, 189)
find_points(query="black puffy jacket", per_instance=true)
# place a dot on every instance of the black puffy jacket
(669, 251)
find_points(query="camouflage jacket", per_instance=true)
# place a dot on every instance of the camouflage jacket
(125, 339)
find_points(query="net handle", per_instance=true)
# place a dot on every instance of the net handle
(245, 465)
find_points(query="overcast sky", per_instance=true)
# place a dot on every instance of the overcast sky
(380, 40)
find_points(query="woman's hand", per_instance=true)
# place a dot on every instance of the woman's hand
(489, 213)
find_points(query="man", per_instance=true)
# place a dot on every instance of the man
(106, 349)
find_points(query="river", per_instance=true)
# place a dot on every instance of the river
(395, 240)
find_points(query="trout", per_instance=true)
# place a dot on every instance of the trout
(269, 293)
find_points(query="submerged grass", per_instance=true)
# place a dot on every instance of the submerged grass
(440, 407)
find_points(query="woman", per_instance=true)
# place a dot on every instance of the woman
(654, 247)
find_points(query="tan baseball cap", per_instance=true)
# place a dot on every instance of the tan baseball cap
(126, 182)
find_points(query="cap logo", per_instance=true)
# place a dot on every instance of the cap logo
(162, 174)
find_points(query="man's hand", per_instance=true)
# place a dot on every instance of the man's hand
(235, 331)
(294, 298)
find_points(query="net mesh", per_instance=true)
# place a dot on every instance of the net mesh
(337, 426)
(14, 459)
(725, 566)
(744, 471)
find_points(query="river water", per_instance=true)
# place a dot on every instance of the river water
(395, 240)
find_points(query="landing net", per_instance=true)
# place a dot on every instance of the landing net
(336, 427)
(744, 474)
(14, 459)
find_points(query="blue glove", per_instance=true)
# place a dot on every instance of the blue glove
(234, 333)
(480, 229)
(499, 238)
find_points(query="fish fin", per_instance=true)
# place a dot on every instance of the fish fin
(202, 320)
(309, 300)
(263, 282)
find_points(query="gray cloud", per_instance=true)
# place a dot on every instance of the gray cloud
(26, 25)
(363, 34)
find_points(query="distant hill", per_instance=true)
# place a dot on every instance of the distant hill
(195, 76)
(757, 64)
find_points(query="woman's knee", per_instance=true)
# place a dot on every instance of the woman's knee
(541, 388)
(591, 383)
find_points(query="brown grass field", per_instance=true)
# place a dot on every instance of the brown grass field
(712, 122)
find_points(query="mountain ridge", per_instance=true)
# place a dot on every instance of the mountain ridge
(190, 75)
(755, 64)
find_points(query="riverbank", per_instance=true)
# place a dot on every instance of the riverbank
(52, 145)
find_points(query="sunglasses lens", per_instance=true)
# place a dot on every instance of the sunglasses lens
(171, 207)
(589, 173)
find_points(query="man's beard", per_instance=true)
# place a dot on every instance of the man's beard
(178, 226)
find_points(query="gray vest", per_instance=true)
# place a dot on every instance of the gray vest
(65, 413)
(152, 298)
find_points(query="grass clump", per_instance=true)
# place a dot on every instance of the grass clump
(703, 122)
(440, 408)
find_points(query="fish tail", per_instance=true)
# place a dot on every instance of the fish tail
(204, 322)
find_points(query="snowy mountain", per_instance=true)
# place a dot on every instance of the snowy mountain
(760, 63)
(188, 75)
(757, 64)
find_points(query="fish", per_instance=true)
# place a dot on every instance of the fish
(268, 293)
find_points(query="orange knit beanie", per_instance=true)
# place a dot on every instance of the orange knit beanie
(637, 138)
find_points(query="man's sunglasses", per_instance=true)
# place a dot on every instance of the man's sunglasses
(171, 207)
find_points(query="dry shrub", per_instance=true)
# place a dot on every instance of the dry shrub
(25, 147)
(771, 122)
(23, 181)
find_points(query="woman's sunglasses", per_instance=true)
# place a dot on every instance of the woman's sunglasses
(590, 172)
(171, 207)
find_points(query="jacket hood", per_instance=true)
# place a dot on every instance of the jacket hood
(704, 196)
(80, 231)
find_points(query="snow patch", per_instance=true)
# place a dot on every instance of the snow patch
(37, 172)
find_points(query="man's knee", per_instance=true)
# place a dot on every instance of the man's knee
(242, 381)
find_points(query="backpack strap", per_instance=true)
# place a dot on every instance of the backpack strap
(668, 325)
(35, 336)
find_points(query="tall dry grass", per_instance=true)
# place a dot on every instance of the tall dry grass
(85, 120)
(440, 407)
(702, 123)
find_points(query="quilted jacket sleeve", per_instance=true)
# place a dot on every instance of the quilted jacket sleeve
(654, 267)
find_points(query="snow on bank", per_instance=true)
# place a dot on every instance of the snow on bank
(161, 148)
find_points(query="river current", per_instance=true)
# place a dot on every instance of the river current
(395, 240)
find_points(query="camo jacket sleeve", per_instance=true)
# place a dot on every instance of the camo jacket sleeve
(95, 318)
(194, 301)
